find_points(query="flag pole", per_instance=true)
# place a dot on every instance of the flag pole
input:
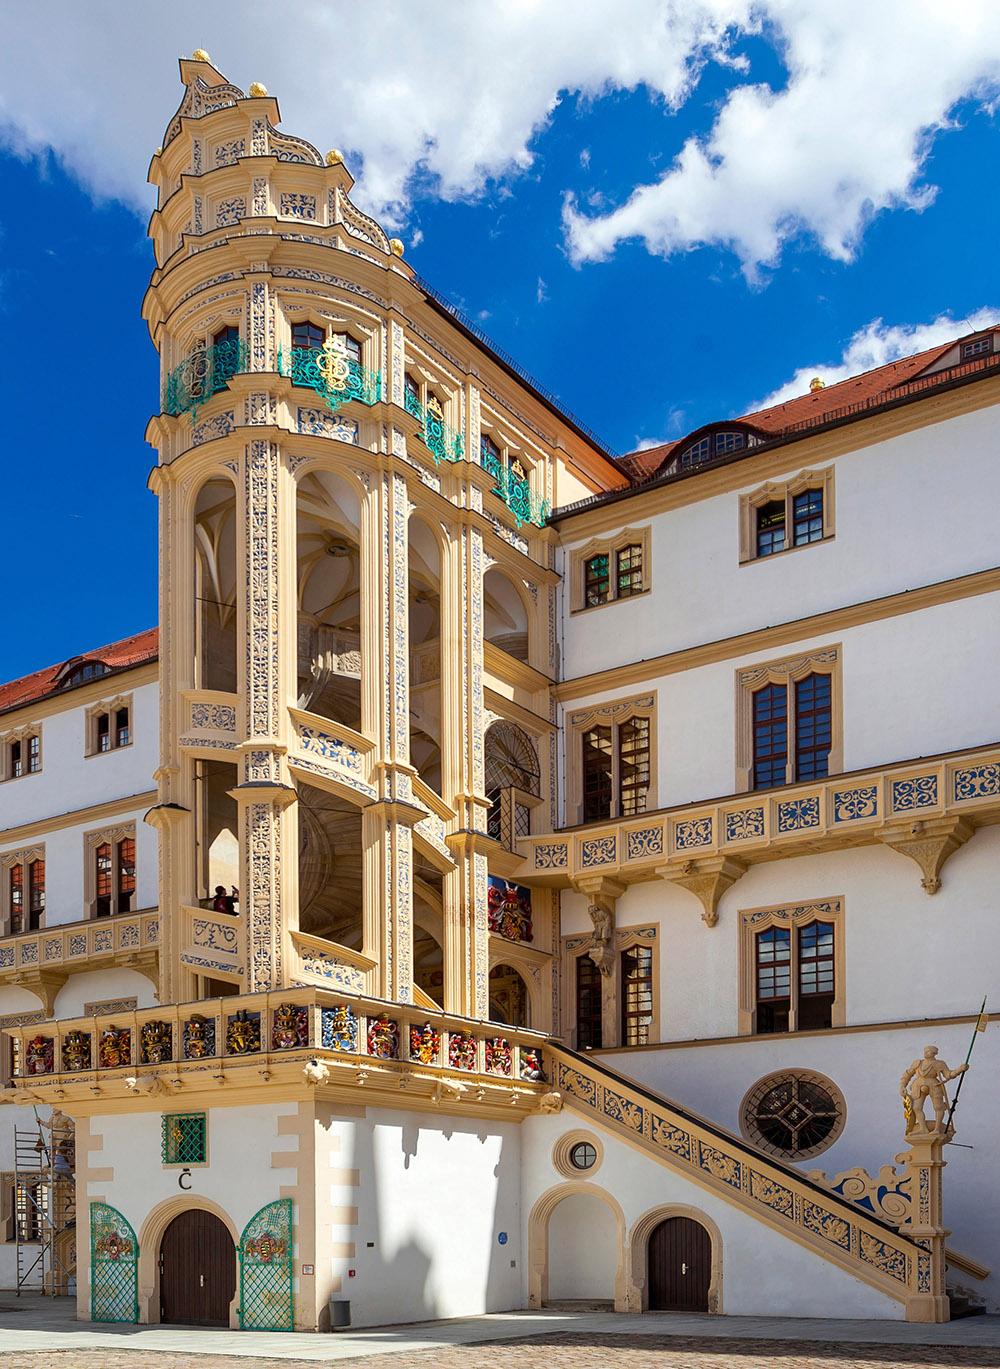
(979, 1027)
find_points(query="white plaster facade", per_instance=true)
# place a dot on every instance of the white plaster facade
(424, 1184)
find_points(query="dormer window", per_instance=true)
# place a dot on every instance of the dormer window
(82, 672)
(715, 443)
(977, 347)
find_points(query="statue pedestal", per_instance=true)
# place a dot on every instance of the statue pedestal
(925, 1162)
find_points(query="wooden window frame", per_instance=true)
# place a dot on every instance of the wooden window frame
(632, 947)
(613, 713)
(430, 385)
(580, 943)
(364, 336)
(790, 917)
(113, 836)
(8, 860)
(512, 453)
(788, 671)
(784, 491)
(23, 735)
(609, 547)
(109, 707)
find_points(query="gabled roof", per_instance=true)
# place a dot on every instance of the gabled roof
(855, 395)
(116, 656)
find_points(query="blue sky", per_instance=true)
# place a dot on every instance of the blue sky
(659, 234)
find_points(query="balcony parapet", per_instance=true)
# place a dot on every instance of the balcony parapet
(327, 748)
(335, 376)
(209, 720)
(203, 373)
(290, 1041)
(42, 961)
(924, 809)
(442, 441)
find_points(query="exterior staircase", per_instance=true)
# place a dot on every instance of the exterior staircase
(875, 1251)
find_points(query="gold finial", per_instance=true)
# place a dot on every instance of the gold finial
(817, 384)
(159, 151)
(396, 247)
(257, 90)
(200, 55)
(335, 157)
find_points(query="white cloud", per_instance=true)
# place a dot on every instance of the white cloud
(876, 344)
(402, 87)
(868, 86)
(541, 291)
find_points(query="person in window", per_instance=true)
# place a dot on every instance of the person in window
(223, 902)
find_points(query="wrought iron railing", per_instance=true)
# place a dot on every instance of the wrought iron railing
(202, 374)
(332, 373)
(515, 492)
(441, 440)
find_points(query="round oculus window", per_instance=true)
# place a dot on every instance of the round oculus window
(583, 1155)
(794, 1114)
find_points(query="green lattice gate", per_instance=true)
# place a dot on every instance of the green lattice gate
(266, 1299)
(114, 1257)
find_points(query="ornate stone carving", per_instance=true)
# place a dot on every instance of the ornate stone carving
(708, 880)
(929, 842)
(926, 1079)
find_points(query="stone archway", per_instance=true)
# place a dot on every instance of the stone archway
(538, 1241)
(150, 1237)
(638, 1278)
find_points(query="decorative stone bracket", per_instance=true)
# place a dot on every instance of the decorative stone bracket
(707, 879)
(602, 895)
(929, 842)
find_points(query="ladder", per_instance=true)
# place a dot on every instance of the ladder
(44, 1215)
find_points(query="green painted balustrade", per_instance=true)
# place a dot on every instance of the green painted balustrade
(202, 374)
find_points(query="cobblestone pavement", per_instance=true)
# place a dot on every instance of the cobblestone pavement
(582, 1350)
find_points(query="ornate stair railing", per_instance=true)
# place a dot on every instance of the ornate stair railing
(202, 374)
(515, 492)
(332, 373)
(825, 1222)
(441, 440)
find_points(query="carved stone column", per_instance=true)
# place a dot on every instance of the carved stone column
(172, 815)
(925, 1163)
(466, 930)
(268, 832)
(387, 824)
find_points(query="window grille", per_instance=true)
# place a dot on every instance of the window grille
(184, 1139)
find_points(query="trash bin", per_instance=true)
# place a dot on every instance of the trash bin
(340, 1314)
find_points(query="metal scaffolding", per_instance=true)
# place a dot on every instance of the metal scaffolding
(45, 1206)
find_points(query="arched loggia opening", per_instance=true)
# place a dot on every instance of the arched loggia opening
(512, 774)
(331, 867)
(329, 598)
(505, 615)
(425, 652)
(215, 654)
(509, 997)
(428, 931)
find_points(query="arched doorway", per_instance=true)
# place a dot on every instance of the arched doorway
(197, 1270)
(679, 1266)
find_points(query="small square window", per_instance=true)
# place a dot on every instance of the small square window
(184, 1138)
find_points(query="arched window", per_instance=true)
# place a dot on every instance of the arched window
(511, 772)
(81, 672)
(710, 444)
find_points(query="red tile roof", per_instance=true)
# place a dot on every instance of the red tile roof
(855, 394)
(130, 651)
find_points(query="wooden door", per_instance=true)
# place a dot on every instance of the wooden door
(197, 1270)
(679, 1266)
